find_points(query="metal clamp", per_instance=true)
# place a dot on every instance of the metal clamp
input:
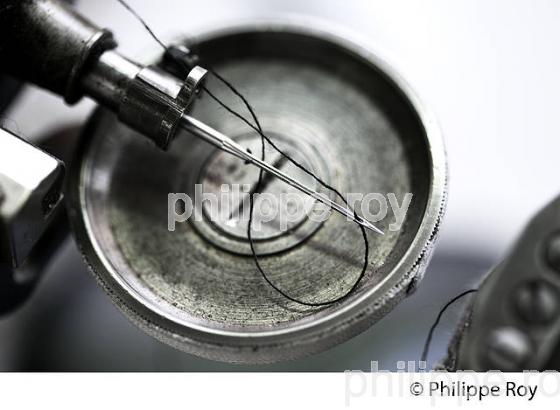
(154, 102)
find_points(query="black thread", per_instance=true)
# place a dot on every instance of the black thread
(257, 127)
(426, 349)
(264, 138)
(143, 22)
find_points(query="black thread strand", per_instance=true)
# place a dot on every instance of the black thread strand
(143, 22)
(426, 349)
(264, 138)
(257, 127)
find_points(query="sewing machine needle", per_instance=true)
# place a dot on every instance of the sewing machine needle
(223, 142)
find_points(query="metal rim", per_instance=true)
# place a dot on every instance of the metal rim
(347, 320)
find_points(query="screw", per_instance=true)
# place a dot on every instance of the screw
(553, 253)
(537, 302)
(508, 349)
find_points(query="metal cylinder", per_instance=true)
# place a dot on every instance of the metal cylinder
(107, 81)
(48, 44)
(53, 47)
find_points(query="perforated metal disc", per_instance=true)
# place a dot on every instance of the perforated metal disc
(337, 109)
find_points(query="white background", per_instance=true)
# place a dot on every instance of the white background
(266, 391)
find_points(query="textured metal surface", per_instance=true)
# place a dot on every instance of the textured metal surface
(196, 296)
(223, 168)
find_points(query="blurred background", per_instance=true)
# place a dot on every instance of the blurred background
(489, 72)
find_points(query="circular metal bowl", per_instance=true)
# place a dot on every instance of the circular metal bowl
(197, 288)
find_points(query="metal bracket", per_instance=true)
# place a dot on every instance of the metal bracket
(30, 205)
(154, 106)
